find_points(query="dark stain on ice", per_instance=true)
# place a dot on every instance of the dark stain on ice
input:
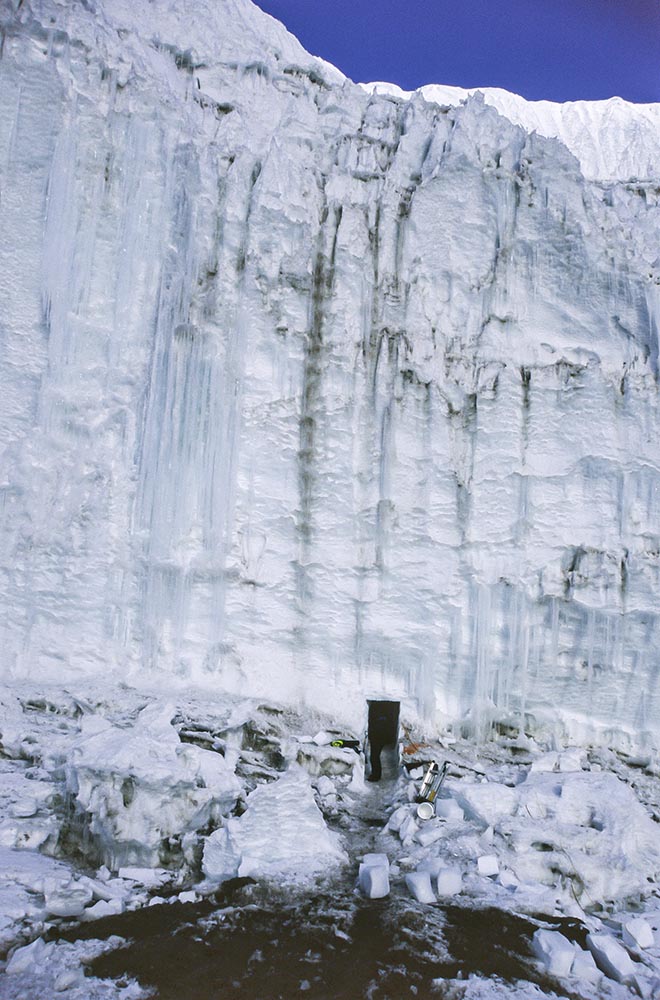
(331, 945)
(323, 280)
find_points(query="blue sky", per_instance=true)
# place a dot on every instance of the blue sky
(560, 50)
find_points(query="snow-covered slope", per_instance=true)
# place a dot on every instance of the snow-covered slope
(318, 392)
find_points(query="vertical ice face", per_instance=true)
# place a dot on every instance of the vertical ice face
(316, 392)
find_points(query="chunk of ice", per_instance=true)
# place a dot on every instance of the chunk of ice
(419, 884)
(104, 908)
(507, 879)
(584, 967)
(408, 829)
(637, 934)
(397, 818)
(554, 950)
(488, 865)
(611, 957)
(374, 881)
(31, 959)
(450, 882)
(66, 897)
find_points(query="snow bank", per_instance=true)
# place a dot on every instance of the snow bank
(141, 790)
(281, 835)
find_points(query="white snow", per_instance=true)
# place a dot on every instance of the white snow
(637, 934)
(281, 834)
(555, 951)
(419, 884)
(613, 139)
(140, 785)
(611, 957)
(423, 469)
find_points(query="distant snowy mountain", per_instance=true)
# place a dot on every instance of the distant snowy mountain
(323, 391)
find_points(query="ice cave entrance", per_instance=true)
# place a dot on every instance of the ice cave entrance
(382, 733)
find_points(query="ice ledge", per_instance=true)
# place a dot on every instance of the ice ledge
(614, 140)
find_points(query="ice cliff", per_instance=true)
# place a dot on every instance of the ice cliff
(323, 392)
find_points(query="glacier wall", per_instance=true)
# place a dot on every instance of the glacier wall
(314, 392)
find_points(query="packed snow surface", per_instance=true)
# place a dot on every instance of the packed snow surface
(319, 391)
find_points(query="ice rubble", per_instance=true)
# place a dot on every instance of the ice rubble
(140, 787)
(282, 833)
(310, 389)
(554, 833)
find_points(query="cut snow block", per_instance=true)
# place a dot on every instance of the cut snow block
(370, 860)
(637, 934)
(611, 957)
(397, 818)
(585, 968)
(419, 884)
(554, 950)
(104, 908)
(450, 882)
(488, 865)
(374, 881)
(507, 879)
(449, 810)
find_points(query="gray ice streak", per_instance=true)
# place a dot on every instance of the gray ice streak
(320, 392)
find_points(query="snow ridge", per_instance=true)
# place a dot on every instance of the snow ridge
(612, 139)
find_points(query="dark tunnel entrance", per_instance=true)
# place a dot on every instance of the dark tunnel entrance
(382, 731)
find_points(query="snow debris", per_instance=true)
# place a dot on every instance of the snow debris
(554, 950)
(419, 884)
(487, 802)
(611, 957)
(281, 834)
(637, 934)
(139, 787)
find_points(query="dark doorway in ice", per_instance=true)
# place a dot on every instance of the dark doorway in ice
(382, 733)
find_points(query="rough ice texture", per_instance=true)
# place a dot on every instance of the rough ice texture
(282, 834)
(139, 786)
(310, 390)
(554, 950)
(611, 957)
